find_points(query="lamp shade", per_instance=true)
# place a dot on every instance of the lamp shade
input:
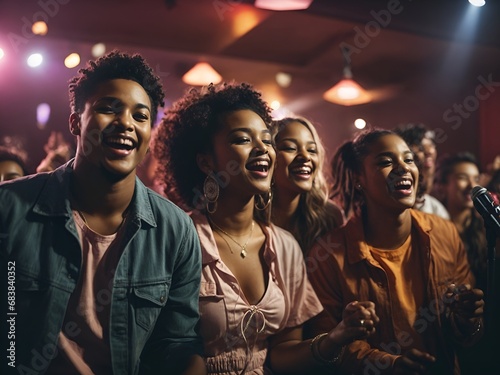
(201, 74)
(347, 92)
(283, 4)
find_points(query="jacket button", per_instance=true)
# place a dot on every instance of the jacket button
(162, 299)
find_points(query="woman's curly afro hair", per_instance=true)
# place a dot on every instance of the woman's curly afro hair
(187, 130)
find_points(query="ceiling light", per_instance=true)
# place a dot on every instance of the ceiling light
(72, 60)
(201, 74)
(98, 50)
(477, 3)
(347, 91)
(2, 54)
(283, 4)
(283, 79)
(42, 114)
(39, 28)
(360, 123)
(275, 104)
(35, 60)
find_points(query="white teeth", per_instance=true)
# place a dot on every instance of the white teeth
(260, 163)
(302, 170)
(403, 183)
(121, 141)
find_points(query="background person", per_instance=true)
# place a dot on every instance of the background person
(12, 165)
(421, 142)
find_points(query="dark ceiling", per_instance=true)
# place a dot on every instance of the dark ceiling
(416, 57)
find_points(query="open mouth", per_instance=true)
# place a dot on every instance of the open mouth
(303, 171)
(404, 186)
(120, 143)
(261, 166)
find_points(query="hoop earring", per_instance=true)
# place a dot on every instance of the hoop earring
(211, 193)
(260, 204)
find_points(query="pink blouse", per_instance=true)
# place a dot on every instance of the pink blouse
(234, 331)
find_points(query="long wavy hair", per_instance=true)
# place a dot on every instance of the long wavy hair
(315, 214)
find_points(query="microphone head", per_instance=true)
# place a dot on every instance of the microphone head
(478, 190)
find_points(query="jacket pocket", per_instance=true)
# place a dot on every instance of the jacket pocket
(31, 293)
(213, 315)
(149, 300)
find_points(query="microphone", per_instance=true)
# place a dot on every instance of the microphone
(486, 206)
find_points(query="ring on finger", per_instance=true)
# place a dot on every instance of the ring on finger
(362, 322)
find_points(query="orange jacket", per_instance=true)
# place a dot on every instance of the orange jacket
(342, 269)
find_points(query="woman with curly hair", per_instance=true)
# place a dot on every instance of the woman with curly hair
(411, 264)
(301, 203)
(216, 158)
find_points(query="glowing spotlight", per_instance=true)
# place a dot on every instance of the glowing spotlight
(98, 50)
(283, 79)
(39, 28)
(477, 3)
(42, 115)
(275, 104)
(2, 54)
(72, 60)
(360, 123)
(35, 60)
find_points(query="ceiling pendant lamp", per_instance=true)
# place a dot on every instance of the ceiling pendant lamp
(347, 91)
(283, 4)
(202, 74)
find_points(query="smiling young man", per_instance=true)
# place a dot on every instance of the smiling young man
(106, 272)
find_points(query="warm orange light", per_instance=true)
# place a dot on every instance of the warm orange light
(72, 60)
(244, 21)
(39, 28)
(201, 74)
(347, 92)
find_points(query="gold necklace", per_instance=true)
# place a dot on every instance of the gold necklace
(243, 247)
(88, 226)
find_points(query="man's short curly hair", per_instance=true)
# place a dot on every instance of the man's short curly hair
(187, 129)
(115, 65)
(414, 133)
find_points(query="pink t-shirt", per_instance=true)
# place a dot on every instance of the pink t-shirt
(84, 340)
(234, 331)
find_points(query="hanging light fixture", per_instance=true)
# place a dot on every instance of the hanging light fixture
(201, 74)
(347, 91)
(283, 4)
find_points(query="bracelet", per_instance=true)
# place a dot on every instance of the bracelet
(314, 346)
(478, 328)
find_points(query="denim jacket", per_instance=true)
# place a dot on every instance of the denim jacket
(154, 300)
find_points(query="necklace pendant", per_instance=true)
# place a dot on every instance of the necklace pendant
(243, 253)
